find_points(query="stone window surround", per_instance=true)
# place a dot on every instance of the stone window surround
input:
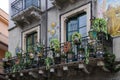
(34, 29)
(86, 8)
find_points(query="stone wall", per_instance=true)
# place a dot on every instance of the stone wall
(116, 47)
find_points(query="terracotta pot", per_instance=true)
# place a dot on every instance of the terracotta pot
(67, 47)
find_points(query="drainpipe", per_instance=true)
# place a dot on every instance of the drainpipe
(46, 16)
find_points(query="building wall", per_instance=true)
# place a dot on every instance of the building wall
(54, 16)
(14, 39)
(2, 53)
(3, 33)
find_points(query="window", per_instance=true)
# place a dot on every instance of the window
(31, 40)
(76, 24)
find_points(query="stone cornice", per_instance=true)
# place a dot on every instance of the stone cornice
(3, 19)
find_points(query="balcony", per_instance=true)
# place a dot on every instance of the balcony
(25, 11)
(70, 56)
(61, 3)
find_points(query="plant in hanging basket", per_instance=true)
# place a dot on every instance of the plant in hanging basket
(55, 45)
(99, 26)
(76, 38)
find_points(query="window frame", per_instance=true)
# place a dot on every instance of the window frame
(64, 17)
(32, 36)
(76, 17)
(24, 34)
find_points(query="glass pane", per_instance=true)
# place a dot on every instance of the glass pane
(35, 38)
(35, 3)
(29, 48)
(69, 36)
(28, 3)
(82, 20)
(29, 40)
(72, 25)
(83, 31)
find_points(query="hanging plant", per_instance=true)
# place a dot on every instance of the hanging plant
(55, 45)
(99, 25)
(76, 38)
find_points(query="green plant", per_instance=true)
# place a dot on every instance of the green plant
(110, 64)
(8, 55)
(81, 49)
(48, 61)
(86, 55)
(39, 47)
(71, 52)
(76, 38)
(63, 56)
(55, 44)
(99, 25)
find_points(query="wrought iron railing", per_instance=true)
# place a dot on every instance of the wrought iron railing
(68, 53)
(20, 5)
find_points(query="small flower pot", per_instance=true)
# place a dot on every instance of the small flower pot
(63, 60)
(92, 55)
(57, 60)
(99, 54)
(70, 57)
(80, 57)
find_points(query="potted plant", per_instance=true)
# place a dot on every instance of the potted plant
(110, 64)
(92, 34)
(70, 56)
(39, 47)
(81, 53)
(76, 38)
(63, 58)
(7, 61)
(57, 58)
(67, 47)
(91, 51)
(55, 47)
(48, 62)
(27, 64)
(100, 26)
